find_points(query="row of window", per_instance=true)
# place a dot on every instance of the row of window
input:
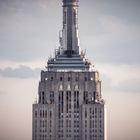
(68, 102)
(69, 78)
(43, 123)
(68, 96)
(93, 135)
(68, 124)
(67, 135)
(93, 111)
(43, 114)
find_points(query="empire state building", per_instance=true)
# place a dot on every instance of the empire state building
(70, 104)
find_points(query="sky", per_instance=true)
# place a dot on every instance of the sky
(109, 31)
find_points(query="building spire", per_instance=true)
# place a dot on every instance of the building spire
(70, 40)
(69, 57)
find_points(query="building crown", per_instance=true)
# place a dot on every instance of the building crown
(69, 55)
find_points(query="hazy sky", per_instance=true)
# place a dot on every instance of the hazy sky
(110, 33)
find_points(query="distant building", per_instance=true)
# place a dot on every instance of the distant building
(70, 105)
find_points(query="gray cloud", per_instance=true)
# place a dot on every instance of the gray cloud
(21, 72)
(129, 86)
(26, 29)
(126, 86)
(29, 29)
(111, 30)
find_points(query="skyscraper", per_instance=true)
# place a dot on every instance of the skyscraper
(70, 105)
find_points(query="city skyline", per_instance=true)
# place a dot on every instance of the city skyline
(115, 51)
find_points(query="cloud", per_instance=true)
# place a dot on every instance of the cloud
(111, 31)
(112, 41)
(125, 86)
(20, 72)
(119, 78)
(108, 30)
(27, 32)
(129, 86)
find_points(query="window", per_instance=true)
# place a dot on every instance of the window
(51, 78)
(90, 110)
(46, 123)
(67, 102)
(40, 113)
(43, 97)
(65, 16)
(50, 114)
(85, 97)
(60, 105)
(40, 123)
(95, 110)
(77, 99)
(51, 96)
(76, 79)
(68, 78)
(85, 113)
(86, 137)
(36, 114)
(100, 110)
(39, 99)
(61, 79)
(43, 113)
(43, 123)
(46, 114)
(35, 124)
